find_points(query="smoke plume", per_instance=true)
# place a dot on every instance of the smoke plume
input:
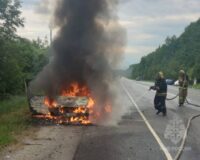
(88, 46)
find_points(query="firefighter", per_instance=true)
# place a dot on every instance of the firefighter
(183, 87)
(161, 94)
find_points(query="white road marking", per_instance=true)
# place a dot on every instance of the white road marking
(162, 146)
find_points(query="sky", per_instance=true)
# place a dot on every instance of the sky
(147, 22)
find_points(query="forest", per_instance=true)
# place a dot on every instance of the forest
(20, 58)
(175, 54)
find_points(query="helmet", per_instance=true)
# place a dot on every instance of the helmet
(160, 75)
(181, 73)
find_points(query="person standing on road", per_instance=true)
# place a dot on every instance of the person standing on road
(183, 87)
(161, 93)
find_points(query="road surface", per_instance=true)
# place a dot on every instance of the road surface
(139, 135)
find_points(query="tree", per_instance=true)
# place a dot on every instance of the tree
(196, 71)
(10, 18)
(175, 54)
(19, 58)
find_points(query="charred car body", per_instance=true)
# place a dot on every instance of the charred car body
(62, 110)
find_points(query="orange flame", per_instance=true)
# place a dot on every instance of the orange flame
(91, 103)
(108, 109)
(50, 103)
(80, 114)
(80, 110)
(75, 90)
(72, 91)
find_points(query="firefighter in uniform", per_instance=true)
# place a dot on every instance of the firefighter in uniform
(161, 94)
(183, 87)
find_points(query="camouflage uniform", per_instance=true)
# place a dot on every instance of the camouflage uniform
(183, 87)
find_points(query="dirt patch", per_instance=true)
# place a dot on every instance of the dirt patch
(49, 142)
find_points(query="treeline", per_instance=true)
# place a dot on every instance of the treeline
(20, 58)
(173, 55)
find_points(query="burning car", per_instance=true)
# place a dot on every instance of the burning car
(73, 106)
(77, 82)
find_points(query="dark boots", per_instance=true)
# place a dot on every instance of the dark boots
(162, 109)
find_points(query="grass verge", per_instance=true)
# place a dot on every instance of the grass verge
(197, 86)
(14, 119)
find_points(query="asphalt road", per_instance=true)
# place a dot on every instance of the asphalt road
(133, 140)
(139, 135)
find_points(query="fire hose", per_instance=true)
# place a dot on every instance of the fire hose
(182, 146)
(169, 99)
(192, 104)
(183, 142)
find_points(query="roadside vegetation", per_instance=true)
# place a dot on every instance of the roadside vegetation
(175, 54)
(20, 59)
(197, 86)
(14, 119)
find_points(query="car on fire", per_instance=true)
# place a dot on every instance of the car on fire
(62, 110)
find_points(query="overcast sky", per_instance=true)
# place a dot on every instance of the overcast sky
(148, 22)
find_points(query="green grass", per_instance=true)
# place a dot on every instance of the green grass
(197, 86)
(14, 119)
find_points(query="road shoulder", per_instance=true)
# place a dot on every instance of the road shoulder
(49, 142)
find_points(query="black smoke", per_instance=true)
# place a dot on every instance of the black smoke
(87, 48)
